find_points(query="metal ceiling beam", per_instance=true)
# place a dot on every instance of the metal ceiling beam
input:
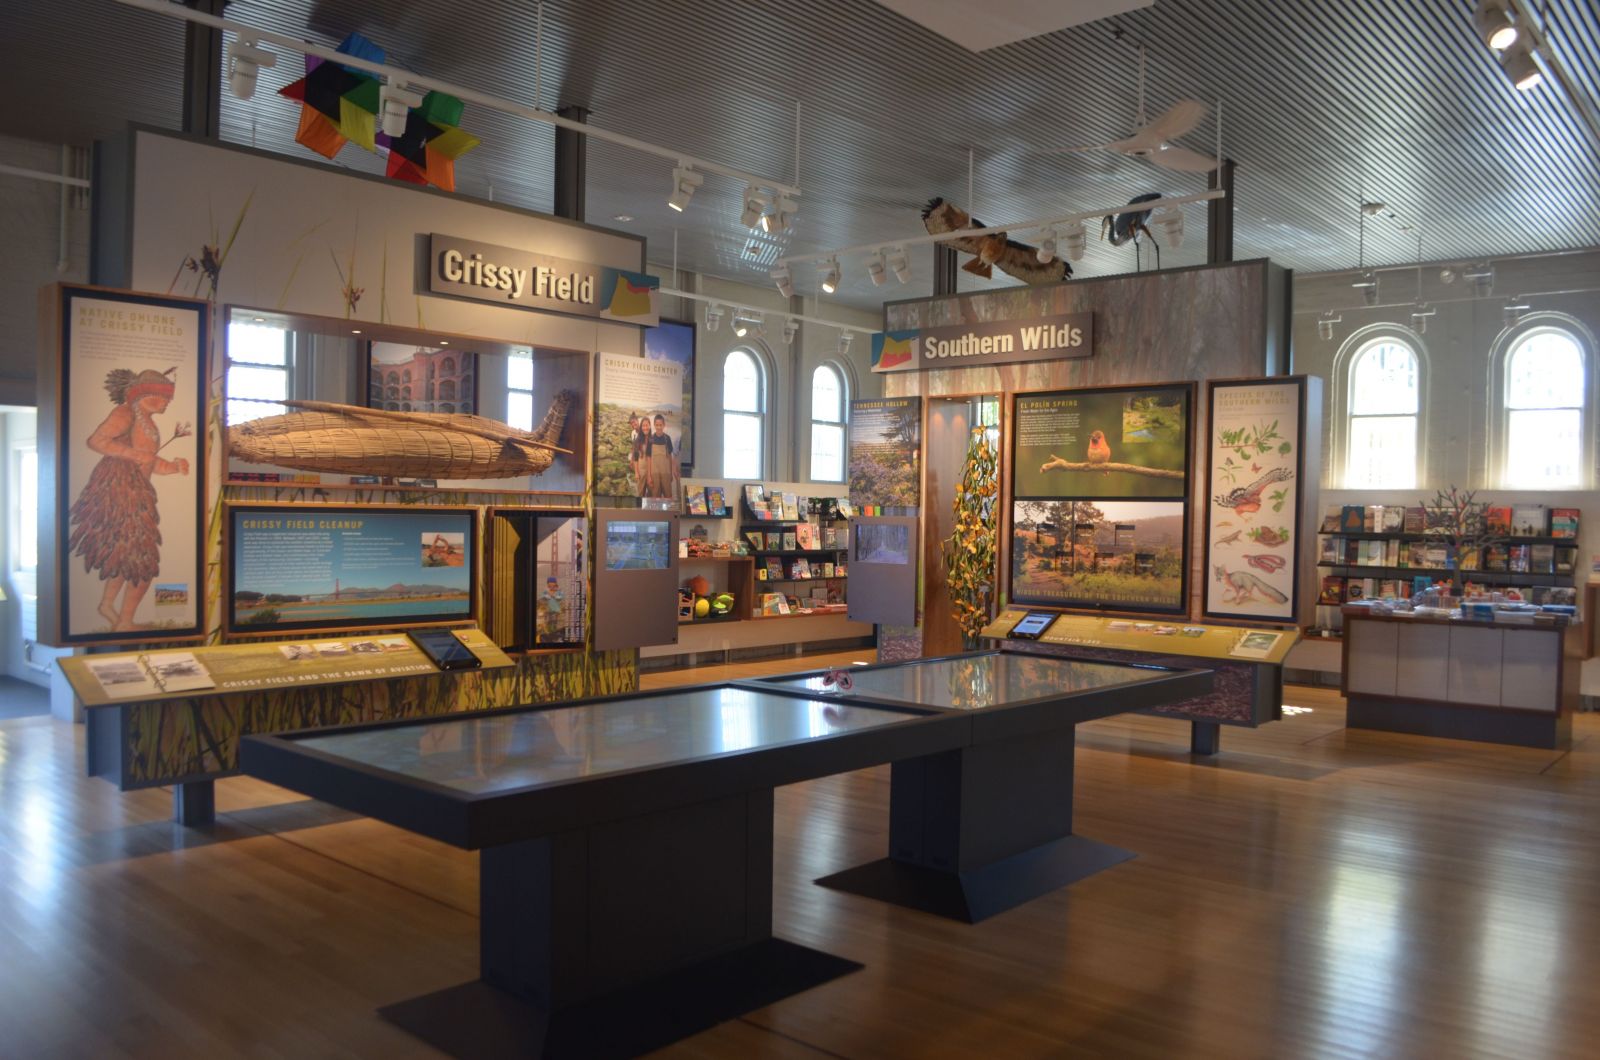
(202, 71)
(669, 292)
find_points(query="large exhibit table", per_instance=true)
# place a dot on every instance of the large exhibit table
(1246, 691)
(1461, 678)
(985, 827)
(626, 867)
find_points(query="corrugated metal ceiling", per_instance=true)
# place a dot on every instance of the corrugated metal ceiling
(1325, 102)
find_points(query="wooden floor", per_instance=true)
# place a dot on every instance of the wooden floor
(1309, 892)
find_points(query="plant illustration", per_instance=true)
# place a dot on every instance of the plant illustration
(969, 551)
(1250, 442)
(1278, 497)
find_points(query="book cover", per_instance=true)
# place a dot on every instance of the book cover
(1353, 590)
(694, 499)
(1372, 518)
(1497, 519)
(756, 539)
(1470, 558)
(1255, 644)
(805, 536)
(1529, 520)
(1373, 553)
(830, 537)
(1388, 589)
(1352, 519)
(791, 506)
(1332, 591)
(773, 604)
(755, 496)
(1332, 550)
(1564, 522)
(1330, 520)
(1391, 553)
(1566, 559)
(1517, 559)
(802, 569)
(122, 676)
(1415, 521)
(774, 570)
(716, 501)
(774, 540)
(1394, 519)
(1352, 552)
(827, 570)
(1494, 558)
(178, 671)
(1541, 559)
(788, 541)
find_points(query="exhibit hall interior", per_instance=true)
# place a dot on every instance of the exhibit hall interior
(847, 528)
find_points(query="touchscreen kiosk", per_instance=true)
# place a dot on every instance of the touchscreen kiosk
(1032, 625)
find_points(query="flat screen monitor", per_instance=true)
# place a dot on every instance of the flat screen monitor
(640, 544)
(325, 567)
(877, 543)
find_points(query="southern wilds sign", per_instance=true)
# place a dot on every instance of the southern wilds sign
(970, 345)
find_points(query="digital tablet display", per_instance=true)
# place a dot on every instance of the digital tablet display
(1032, 625)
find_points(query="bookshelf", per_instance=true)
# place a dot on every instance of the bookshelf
(790, 521)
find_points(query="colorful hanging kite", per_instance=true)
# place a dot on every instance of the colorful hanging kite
(340, 104)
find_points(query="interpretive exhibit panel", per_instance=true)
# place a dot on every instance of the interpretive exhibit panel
(536, 578)
(626, 874)
(635, 578)
(885, 454)
(674, 341)
(883, 569)
(122, 466)
(1100, 486)
(300, 567)
(639, 427)
(980, 830)
(1256, 496)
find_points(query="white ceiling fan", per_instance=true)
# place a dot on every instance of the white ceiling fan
(1151, 140)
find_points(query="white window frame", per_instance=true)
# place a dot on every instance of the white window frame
(759, 416)
(18, 477)
(533, 413)
(1507, 343)
(842, 423)
(229, 362)
(1344, 364)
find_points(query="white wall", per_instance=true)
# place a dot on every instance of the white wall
(788, 368)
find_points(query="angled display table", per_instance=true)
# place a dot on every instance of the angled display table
(1247, 690)
(626, 867)
(977, 830)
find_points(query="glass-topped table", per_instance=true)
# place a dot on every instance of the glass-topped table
(626, 867)
(986, 827)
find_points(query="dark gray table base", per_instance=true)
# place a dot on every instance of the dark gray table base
(981, 830)
(623, 937)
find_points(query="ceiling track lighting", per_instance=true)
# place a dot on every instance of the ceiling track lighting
(791, 327)
(713, 316)
(1170, 221)
(245, 60)
(1514, 311)
(1420, 316)
(1326, 323)
(784, 279)
(1076, 239)
(1494, 25)
(741, 325)
(1482, 280)
(1368, 286)
(830, 276)
(395, 102)
(781, 219)
(899, 264)
(756, 203)
(685, 181)
(1518, 63)
(844, 342)
(1047, 247)
(756, 312)
(875, 269)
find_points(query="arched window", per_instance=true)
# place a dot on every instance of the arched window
(827, 424)
(1543, 386)
(744, 416)
(1383, 405)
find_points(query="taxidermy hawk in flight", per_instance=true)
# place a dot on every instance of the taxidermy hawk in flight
(1017, 260)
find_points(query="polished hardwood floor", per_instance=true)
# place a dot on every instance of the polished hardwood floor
(1311, 891)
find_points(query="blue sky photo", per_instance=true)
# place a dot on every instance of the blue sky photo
(302, 553)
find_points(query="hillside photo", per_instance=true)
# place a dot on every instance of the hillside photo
(1111, 554)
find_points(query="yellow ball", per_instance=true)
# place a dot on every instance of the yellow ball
(702, 607)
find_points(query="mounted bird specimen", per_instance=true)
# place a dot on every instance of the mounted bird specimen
(1127, 228)
(1150, 140)
(1017, 260)
(350, 440)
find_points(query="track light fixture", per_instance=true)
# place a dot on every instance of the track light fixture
(875, 271)
(1419, 318)
(713, 317)
(756, 202)
(245, 60)
(1482, 279)
(1076, 240)
(898, 264)
(1047, 247)
(1326, 323)
(1513, 312)
(1368, 286)
(1494, 25)
(685, 181)
(782, 215)
(844, 342)
(784, 279)
(1170, 221)
(741, 325)
(830, 276)
(1517, 62)
(395, 103)
(791, 326)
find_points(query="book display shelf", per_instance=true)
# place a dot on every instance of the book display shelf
(799, 547)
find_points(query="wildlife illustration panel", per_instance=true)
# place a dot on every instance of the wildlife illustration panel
(1122, 442)
(1255, 465)
(1109, 555)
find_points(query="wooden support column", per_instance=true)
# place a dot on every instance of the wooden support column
(572, 166)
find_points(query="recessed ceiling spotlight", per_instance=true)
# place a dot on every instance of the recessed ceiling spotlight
(1520, 67)
(875, 265)
(444, 342)
(784, 279)
(830, 276)
(355, 331)
(1494, 25)
(684, 183)
(898, 264)
(245, 60)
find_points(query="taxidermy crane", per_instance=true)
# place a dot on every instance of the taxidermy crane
(1017, 260)
(1128, 227)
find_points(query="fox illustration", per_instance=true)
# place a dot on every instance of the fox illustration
(1241, 586)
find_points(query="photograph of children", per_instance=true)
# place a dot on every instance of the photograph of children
(444, 550)
(639, 428)
(673, 340)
